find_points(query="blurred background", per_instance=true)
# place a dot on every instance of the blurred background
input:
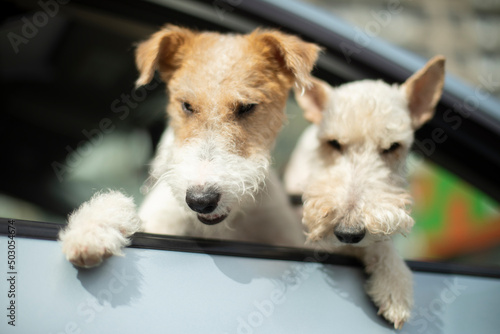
(467, 32)
(71, 122)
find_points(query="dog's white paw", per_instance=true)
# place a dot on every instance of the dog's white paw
(392, 291)
(88, 248)
(85, 256)
(396, 312)
(391, 283)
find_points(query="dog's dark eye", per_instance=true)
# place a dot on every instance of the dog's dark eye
(187, 108)
(394, 147)
(245, 108)
(335, 144)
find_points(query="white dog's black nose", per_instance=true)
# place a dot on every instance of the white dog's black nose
(349, 236)
(201, 199)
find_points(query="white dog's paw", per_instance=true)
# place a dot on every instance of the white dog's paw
(391, 283)
(392, 292)
(89, 247)
(99, 229)
(396, 312)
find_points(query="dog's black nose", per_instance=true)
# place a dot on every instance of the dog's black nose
(202, 200)
(349, 236)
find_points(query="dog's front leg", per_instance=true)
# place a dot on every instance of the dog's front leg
(391, 284)
(99, 228)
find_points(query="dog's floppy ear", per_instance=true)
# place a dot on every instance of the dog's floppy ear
(313, 99)
(160, 52)
(294, 55)
(423, 91)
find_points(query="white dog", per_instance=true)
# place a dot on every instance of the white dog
(227, 95)
(350, 167)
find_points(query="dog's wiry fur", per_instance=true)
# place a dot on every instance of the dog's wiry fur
(350, 167)
(215, 147)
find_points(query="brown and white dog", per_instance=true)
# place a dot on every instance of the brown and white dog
(211, 177)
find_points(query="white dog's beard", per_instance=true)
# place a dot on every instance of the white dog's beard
(209, 164)
(360, 198)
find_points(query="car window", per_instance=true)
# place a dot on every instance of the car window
(72, 122)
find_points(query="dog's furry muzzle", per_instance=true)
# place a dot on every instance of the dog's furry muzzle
(211, 181)
(354, 197)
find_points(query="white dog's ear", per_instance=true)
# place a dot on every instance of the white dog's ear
(313, 100)
(423, 91)
(294, 55)
(160, 52)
